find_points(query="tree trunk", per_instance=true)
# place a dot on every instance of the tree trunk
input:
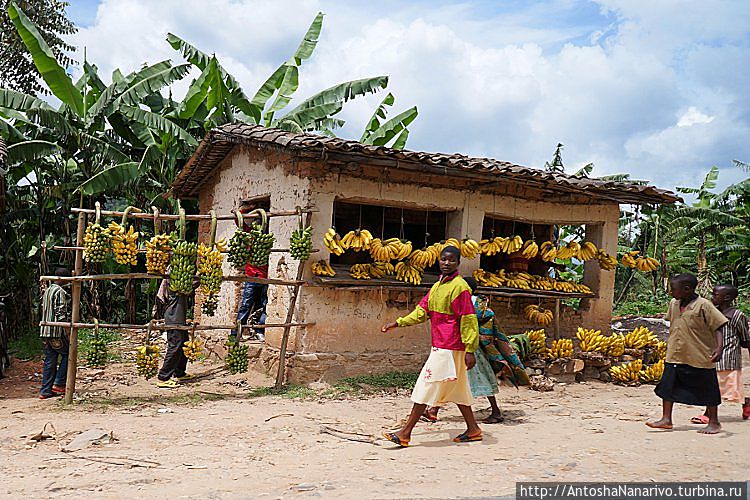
(704, 280)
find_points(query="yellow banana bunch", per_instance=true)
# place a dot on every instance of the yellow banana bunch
(450, 242)
(408, 273)
(561, 348)
(627, 373)
(392, 249)
(222, 245)
(381, 269)
(124, 244)
(423, 258)
(193, 349)
(641, 337)
(538, 341)
(588, 251)
(646, 264)
(660, 350)
(469, 248)
(158, 250)
(529, 250)
(379, 252)
(606, 261)
(590, 340)
(209, 269)
(518, 280)
(322, 268)
(360, 271)
(614, 345)
(548, 251)
(628, 259)
(358, 240)
(652, 374)
(333, 242)
(147, 360)
(571, 249)
(512, 244)
(485, 278)
(492, 246)
(534, 313)
(95, 242)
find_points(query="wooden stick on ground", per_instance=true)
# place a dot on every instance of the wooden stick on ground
(349, 436)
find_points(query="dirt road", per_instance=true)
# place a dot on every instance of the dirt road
(236, 446)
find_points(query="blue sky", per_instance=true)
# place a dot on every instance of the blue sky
(658, 89)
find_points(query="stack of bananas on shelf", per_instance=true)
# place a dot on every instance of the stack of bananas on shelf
(485, 278)
(158, 251)
(530, 249)
(518, 280)
(360, 271)
(424, 257)
(323, 268)
(627, 373)
(538, 340)
(652, 374)
(391, 249)
(540, 316)
(548, 251)
(588, 251)
(193, 349)
(640, 338)
(469, 248)
(95, 243)
(358, 240)
(147, 360)
(379, 270)
(543, 283)
(333, 242)
(569, 250)
(124, 243)
(408, 273)
(570, 287)
(561, 348)
(606, 261)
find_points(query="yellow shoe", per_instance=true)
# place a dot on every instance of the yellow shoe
(167, 384)
(186, 377)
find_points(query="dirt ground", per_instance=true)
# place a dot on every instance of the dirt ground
(216, 439)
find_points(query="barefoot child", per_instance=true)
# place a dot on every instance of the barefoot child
(729, 367)
(695, 343)
(455, 337)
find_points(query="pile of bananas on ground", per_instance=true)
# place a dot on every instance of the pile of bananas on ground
(358, 240)
(634, 261)
(408, 273)
(593, 341)
(360, 271)
(652, 374)
(536, 314)
(260, 246)
(494, 246)
(627, 373)
(538, 341)
(561, 348)
(96, 243)
(147, 360)
(640, 338)
(158, 251)
(323, 268)
(548, 251)
(300, 244)
(210, 274)
(569, 250)
(469, 248)
(392, 249)
(182, 268)
(379, 270)
(333, 243)
(588, 251)
(606, 261)
(193, 349)
(236, 358)
(660, 350)
(97, 355)
(239, 249)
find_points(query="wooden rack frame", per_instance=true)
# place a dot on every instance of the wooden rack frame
(78, 278)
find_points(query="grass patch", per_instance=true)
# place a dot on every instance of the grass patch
(86, 335)
(644, 307)
(288, 391)
(27, 346)
(397, 380)
(133, 402)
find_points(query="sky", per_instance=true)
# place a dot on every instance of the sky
(658, 89)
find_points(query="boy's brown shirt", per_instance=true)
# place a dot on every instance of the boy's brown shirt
(692, 333)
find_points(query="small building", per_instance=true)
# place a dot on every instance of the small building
(421, 197)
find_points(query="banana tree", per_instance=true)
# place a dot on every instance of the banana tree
(380, 133)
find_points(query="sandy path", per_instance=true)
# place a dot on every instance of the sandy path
(226, 449)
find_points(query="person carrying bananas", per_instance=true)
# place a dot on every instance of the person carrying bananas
(55, 338)
(455, 338)
(254, 295)
(695, 343)
(174, 369)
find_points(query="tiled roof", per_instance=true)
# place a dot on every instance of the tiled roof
(220, 141)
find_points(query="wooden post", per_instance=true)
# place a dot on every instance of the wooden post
(557, 318)
(70, 383)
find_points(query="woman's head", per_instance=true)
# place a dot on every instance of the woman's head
(450, 257)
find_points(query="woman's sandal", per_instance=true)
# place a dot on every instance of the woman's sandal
(492, 419)
(393, 438)
(429, 417)
(699, 419)
(465, 438)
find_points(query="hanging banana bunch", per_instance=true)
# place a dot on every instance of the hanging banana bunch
(529, 250)
(587, 251)
(239, 245)
(300, 243)
(333, 242)
(606, 261)
(96, 240)
(628, 259)
(193, 348)
(540, 316)
(97, 355)
(124, 243)
(209, 269)
(358, 240)
(183, 266)
(261, 241)
(408, 273)
(158, 249)
(548, 251)
(569, 250)
(469, 248)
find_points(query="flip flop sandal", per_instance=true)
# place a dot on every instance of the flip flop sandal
(186, 377)
(167, 384)
(393, 438)
(465, 438)
(699, 419)
(493, 420)
(428, 417)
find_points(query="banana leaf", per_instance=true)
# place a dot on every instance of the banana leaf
(110, 178)
(390, 129)
(522, 344)
(159, 123)
(31, 150)
(380, 113)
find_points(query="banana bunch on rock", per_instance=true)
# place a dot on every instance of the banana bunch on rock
(236, 358)
(358, 240)
(660, 350)
(538, 340)
(300, 243)
(540, 316)
(606, 261)
(548, 251)
(569, 250)
(424, 257)
(158, 251)
(183, 267)
(96, 243)
(124, 243)
(379, 270)
(469, 248)
(590, 340)
(561, 348)
(652, 374)
(627, 373)
(588, 251)
(614, 345)
(147, 360)
(360, 271)
(646, 264)
(333, 242)
(97, 355)
(628, 259)
(193, 349)
(408, 273)
(640, 338)
(323, 268)
(239, 249)
(530, 249)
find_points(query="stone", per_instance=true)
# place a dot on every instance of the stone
(604, 376)
(89, 438)
(306, 358)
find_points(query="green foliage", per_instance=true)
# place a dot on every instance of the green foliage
(649, 306)
(399, 380)
(27, 345)
(86, 335)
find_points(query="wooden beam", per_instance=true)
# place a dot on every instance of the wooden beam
(162, 326)
(150, 216)
(126, 276)
(70, 380)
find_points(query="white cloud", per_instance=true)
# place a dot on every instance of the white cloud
(693, 117)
